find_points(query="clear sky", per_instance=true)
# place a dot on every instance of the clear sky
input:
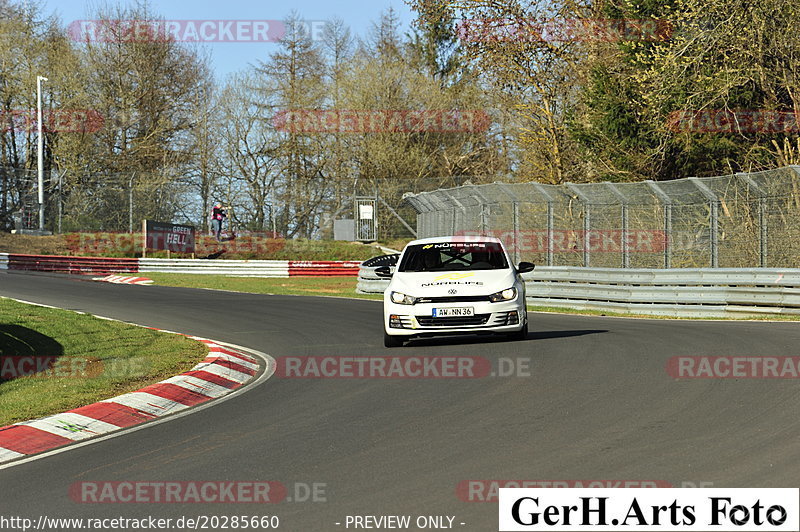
(228, 57)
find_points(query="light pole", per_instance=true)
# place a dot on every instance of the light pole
(40, 166)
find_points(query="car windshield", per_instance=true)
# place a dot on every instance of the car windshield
(453, 256)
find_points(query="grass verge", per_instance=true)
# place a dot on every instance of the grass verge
(86, 359)
(346, 286)
(302, 286)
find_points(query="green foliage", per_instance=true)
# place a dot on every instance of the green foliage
(721, 55)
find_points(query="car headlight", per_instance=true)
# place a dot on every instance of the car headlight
(402, 299)
(504, 295)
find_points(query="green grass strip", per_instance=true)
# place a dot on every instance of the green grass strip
(346, 287)
(302, 286)
(91, 359)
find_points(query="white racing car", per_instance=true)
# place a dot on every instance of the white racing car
(454, 285)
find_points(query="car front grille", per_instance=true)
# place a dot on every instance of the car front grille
(452, 299)
(460, 321)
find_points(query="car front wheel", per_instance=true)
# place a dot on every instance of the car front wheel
(392, 341)
(521, 334)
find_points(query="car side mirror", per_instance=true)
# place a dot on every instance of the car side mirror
(525, 267)
(383, 271)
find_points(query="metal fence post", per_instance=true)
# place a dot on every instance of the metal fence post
(476, 190)
(130, 203)
(439, 210)
(762, 217)
(714, 233)
(60, 199)
(668, 236)
(550, 220)
(587, 226)
(666, 203)
(626, 255)
(463, 209)
(516, 232)
(762, 222)
(713, 203)
(514, 218)
(626, 258)
(587, 221)
(550, 231)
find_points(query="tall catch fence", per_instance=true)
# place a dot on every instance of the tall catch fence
(92, 202)
(736, 221)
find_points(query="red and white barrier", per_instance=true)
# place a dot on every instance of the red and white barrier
(121, 279)
(237, 268)
(65, 264)
(323, 268)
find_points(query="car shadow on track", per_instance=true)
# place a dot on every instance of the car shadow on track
(489, 339)
(547, 335)
(25, 352)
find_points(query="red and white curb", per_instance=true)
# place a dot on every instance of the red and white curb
(121, 279)
(223, 371)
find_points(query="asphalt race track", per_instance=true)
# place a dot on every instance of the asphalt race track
(598, 404)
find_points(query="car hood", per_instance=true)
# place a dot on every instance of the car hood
(440, 284)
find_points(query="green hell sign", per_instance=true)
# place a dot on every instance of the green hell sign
(167, 236)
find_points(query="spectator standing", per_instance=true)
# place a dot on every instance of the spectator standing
(218, 214)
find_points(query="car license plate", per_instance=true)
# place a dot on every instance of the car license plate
(452, 312)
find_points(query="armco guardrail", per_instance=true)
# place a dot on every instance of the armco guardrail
(65, 264)
(697, 292)
(252, 268)
(240, 268)
(369, 282)
(323, 268)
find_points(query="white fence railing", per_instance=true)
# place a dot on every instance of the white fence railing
(239, 268)
(700, 292)
(253, 268)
